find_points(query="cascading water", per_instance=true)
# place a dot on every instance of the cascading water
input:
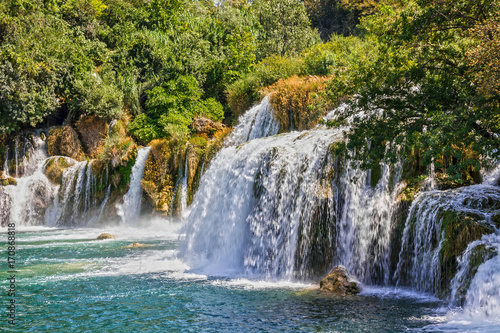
(184, 184)
(246, 213)
(284, 207)
(35, 200)
(421, 254)
(258, 122)
(26, 203)
(130, 210)
(6, 163)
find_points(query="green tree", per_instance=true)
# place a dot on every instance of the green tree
(419, 95)
(286, 29)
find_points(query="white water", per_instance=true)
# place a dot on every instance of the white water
(246, 213)
(6, 163)
(364, 225)
(259, 203)
(258, 122)
(131, 208)
(37, 201)
(184, 185)
(26, 202)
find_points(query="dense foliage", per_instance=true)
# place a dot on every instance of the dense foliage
(424, 74)
(428, 92)
(161, 61)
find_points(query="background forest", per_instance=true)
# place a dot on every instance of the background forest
(425, 74)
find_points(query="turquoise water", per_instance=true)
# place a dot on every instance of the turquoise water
(70, 282)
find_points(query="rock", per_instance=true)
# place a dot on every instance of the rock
(55, 166)
(92, 131)
(106, 236)
(204, 125)
(136, 245)
(64, 141)
(340, 283)
(8, 181)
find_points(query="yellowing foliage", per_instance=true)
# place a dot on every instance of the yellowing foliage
(299, 103)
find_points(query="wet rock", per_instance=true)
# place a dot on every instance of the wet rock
(64, 141)
(55, 167)
(339, 283)
(206, 126)
(136, 245)
(106, 236)
(92, 130)
(6, 204)
(8, 181)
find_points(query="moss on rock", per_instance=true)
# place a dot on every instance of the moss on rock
(55, 167)
(459, 229)
(8, 181)
(92, 131)
(64, 141)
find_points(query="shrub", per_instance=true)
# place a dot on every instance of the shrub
(95, 97)
(247, 90)
(299, 103)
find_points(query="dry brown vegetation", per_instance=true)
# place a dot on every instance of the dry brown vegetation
(299, 103)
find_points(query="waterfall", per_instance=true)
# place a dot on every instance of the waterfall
(285, 207)
(258, 122)
(28, 202)
(35, 200)
(420, 258)
(184, 184)
(131, 207)
(6, 163)
(247, 210)
(16, 154)
(365, 224)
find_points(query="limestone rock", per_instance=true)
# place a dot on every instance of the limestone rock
(55, 167)
(136, 245)
(64, 141)
(92, 130)
(8, 181)
(204, 125)
(106, 236)
(340, 283)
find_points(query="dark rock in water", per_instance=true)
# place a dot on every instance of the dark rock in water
(340, 283)
(106, 236)
(136, 245)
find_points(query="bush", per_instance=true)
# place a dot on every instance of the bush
(144, 129)
(247, 90)
(299, 103)
(93, 96)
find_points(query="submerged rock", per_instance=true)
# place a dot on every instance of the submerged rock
(106, 236)
(340, 283)
(136, 245)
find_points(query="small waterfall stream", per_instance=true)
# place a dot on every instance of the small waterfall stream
(6, 163)
(131, 207)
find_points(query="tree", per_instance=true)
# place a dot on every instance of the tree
(286, 29)
(422, 87)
